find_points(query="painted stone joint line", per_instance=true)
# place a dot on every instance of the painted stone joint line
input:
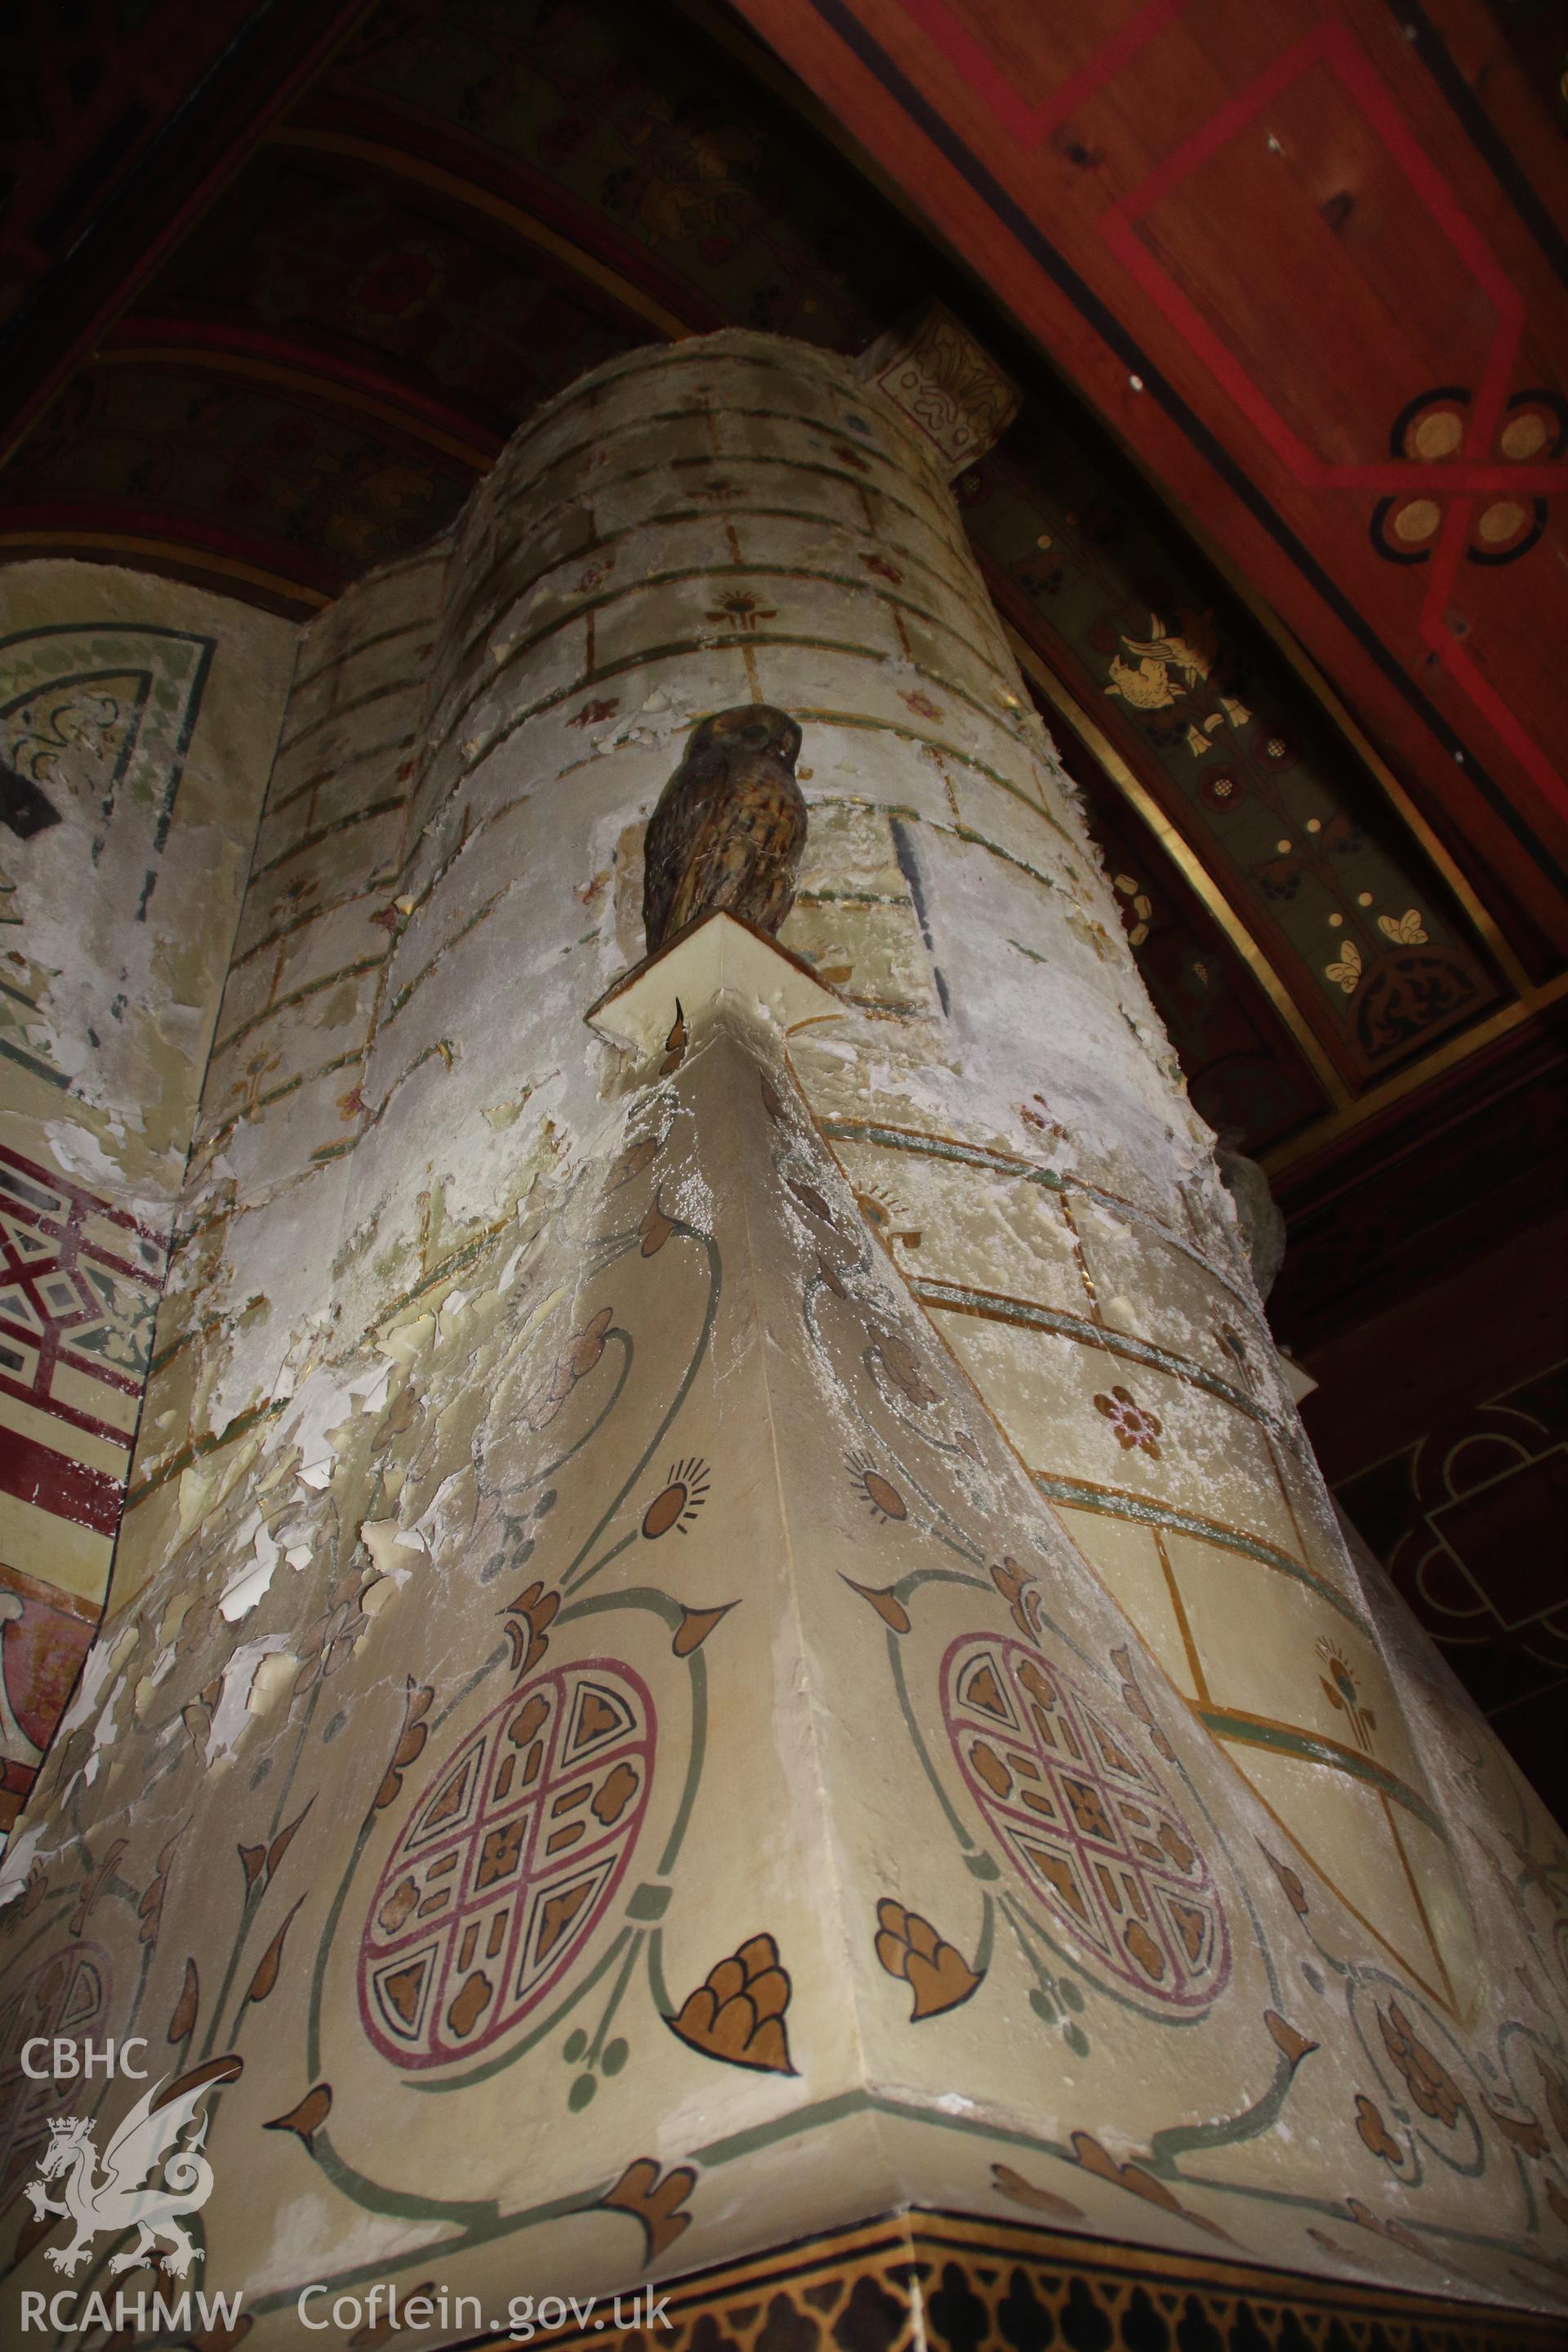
(211, 1141)
(1253, 1731)
(199, 1446)
(741, 569)
(1001, 1307)
(30, 1061)
(707, 465)
(708, 642)
(297, 996)
(324, 833)
(440, 1049)
(351, 760)
(852, 899)
(346, 710)
(831, 526)
(301, 922)
(517, 491)
(740, 641)
(909, 866)
(1114, 1502)
(897, 809)
(422, 975)
(362, 646)
(948, 581)
(974, 1155)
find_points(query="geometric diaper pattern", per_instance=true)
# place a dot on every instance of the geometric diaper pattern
(509, 1858)
(70, 1994)
(1087, 1824)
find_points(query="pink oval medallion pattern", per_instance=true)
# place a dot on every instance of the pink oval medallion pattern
(1084, 1821)
(507, 1864)
(67, 1995)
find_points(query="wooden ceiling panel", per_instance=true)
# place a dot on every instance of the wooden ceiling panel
(1334, 212)
(1264, 237)
(477, 200)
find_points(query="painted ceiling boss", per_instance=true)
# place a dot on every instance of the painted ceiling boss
(730, 826)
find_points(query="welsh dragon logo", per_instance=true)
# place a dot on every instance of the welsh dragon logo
(115, 2192)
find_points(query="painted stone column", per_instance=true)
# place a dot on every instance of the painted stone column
(138, 721)
(727, 1627)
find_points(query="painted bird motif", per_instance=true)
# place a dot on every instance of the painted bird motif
(729, 825)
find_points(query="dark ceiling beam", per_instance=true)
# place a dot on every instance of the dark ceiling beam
(1463, 1157)
(292, 363)
(1388, 1103)
(1065, 706)
(1049, 198)
(401, 144)
(1402, 1096)
(150, 539)
(203, 142)
(1477, 887)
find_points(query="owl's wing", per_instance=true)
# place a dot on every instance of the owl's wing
(663, 851)
(674, 830)
(659, 879)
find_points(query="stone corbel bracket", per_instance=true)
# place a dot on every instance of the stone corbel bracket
(945, 384)
(721, 965)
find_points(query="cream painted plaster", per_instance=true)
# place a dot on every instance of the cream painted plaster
(605, 1719)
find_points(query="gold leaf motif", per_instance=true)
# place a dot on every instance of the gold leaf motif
(1096, 2159)
(1346, 971)
(1122, 1661)
(1023, 2192)
(632, 1161)
(416, 1706)
(655, 1231)
(1375, 2132)
(528, 1620)
(885, 1602)
(675, 1044)
(150, 1911)
(227, 2069)
(282, 1841)
(1293, 2044)
(737, 2012)
(1522, 2130)
(309, 2117)
(679, 1501)
(1295, 1893)
(187, 2008)
(694, 1627)
(1406, 931)
(935, 1972)
(654, 2203)
(76, 1925)
(266, 1976)
(1426, 2078)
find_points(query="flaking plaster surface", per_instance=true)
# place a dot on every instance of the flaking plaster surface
(710, 1642)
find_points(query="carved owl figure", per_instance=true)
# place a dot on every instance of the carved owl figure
(730, 826)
